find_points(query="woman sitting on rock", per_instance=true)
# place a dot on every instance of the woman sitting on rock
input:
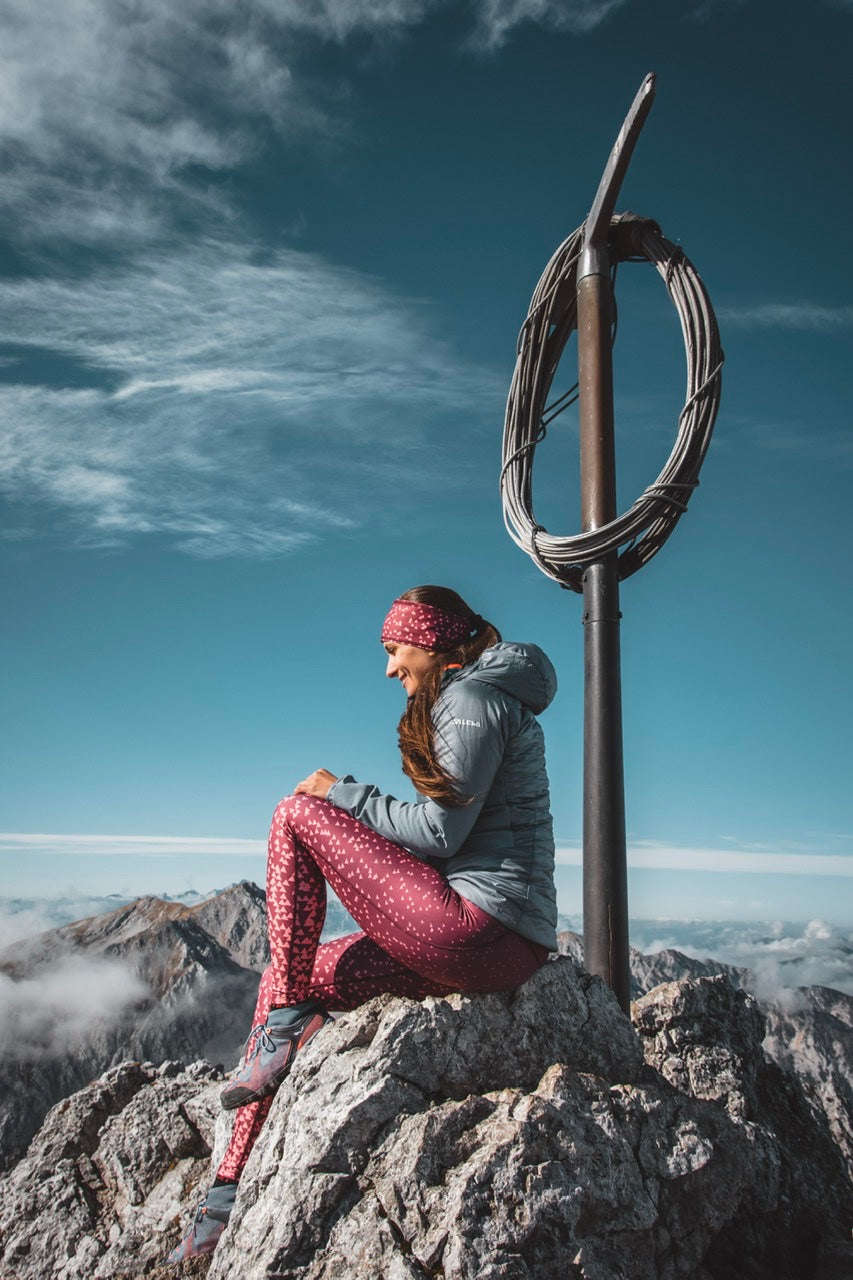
(453, 892)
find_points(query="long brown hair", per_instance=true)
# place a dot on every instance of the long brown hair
(415, 730)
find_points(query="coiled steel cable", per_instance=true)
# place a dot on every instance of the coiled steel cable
(644, 527)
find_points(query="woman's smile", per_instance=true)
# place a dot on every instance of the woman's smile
(409, 664)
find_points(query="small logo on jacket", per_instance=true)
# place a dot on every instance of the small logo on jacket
(473, 724)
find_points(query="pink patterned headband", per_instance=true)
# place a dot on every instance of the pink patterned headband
(426, 626)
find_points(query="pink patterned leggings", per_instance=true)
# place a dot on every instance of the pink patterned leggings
(420, 936)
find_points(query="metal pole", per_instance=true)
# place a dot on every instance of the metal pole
(605, 877)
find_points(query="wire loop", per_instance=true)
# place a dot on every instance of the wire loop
(552, 316)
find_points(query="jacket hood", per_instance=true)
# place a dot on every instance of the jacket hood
(521, 670)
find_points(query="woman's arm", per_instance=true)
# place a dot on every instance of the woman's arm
(472, 725)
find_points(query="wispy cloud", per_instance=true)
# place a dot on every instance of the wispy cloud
(642, 854)
(728, 862)
(832, 445)
(104, 107)
(787, 315)
(113, 117)
(77, 845)
(208, 392)
(780, 957)
(226, 400)
(497, 19)
(706, 9)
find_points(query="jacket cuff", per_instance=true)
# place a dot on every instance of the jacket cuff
(345, 792)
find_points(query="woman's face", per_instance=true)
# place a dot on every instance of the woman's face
(409, 664)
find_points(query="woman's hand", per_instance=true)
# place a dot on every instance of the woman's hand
(317, 784)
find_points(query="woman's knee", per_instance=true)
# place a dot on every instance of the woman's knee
(292, 810)
(283, 810)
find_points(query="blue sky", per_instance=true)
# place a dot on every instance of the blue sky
(263, 268)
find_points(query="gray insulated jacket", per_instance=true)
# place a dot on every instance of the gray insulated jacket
(497, 851)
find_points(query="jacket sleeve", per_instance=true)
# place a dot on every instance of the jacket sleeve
(472, 725)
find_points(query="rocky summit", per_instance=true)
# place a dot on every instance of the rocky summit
(809, 1030)
(532, 1136)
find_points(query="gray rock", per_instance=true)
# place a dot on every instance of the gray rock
(354, 1088)
(405, 1146)
(568, 1179)
(705, 1036)
(113, 1172)
(810, 1033)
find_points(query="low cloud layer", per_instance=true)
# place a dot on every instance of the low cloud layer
(781, 956)
(63, 1003)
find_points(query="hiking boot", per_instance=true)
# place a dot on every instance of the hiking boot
(271, 1048)
(208, 1224)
